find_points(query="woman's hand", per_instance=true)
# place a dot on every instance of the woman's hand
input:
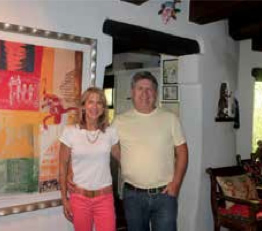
(67, 210)
(70, 186)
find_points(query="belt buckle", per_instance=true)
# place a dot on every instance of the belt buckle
(93, 193)
(153, 191)
(90, 194)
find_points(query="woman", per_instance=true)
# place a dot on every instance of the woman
(87, 146)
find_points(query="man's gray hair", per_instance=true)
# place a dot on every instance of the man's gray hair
(144, 75)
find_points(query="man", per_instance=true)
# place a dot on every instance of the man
(154, 159)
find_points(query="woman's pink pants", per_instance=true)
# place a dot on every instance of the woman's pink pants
(98, 210)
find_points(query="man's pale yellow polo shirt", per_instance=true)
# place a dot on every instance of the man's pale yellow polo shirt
(147, 146)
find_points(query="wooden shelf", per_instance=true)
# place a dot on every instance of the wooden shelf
(228, 119)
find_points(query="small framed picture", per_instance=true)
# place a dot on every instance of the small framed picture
(170, 71)
(170, 93)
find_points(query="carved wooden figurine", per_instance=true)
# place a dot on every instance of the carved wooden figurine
(223, 102)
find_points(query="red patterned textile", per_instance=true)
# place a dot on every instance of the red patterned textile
(238, 211)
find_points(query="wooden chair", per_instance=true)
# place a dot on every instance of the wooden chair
(244, 215)
(253, 167)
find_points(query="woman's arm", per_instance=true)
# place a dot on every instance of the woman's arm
(64, 165)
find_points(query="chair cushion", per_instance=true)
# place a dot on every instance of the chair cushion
(239, 212)
(253, 169)
(240, 186)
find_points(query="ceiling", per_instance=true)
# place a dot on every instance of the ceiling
(244, 17)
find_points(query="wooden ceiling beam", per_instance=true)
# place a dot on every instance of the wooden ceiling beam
(136, 2)
(136, 37)
(244, 17)
(257, 43)
(247, 31)
(242, 26)
(203, 11)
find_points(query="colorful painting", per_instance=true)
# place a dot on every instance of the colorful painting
(40, 92)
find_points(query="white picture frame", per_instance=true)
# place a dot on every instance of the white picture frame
(170, 93)
(170, 70)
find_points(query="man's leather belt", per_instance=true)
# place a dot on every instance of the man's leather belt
(150, 190)
(93, 193)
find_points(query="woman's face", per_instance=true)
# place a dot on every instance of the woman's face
(94, 107)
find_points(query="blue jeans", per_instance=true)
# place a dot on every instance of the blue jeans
(144, 210)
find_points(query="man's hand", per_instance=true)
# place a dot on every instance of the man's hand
(171, 189)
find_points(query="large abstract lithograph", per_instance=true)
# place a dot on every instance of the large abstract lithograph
(40, 93)
(41, 90)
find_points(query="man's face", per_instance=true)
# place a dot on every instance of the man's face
(144, 96)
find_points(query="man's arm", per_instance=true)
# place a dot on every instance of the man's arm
(181, 161)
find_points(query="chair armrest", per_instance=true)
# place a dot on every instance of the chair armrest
(242, 201)
(254, 205)
(259, 191)
(251, 203)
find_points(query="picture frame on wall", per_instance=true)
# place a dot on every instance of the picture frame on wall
(42, 76)
(170, 93)
(170, 70)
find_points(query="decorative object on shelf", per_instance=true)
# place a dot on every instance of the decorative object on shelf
(227, 119)
(168, 10)
(170, 68)
(224, 104)
(236, 114)
(170, 93)
(258, 153)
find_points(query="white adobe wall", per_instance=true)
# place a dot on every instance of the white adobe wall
(210, 143)
(147, 60)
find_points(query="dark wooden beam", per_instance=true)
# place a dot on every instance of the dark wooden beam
(136, 37)
(257, 43)
(207, 11)
(136, 2)
(244, 17)
(247, 23)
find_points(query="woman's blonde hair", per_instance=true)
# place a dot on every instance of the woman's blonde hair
(103, 119)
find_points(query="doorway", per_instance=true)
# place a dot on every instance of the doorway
(137, 48)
